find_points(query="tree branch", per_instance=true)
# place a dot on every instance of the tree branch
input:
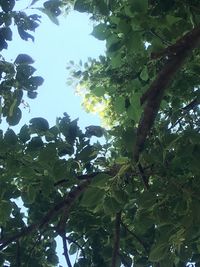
(18, 256)
(195, 102)
(140, 241)
(153, 96)
(6, 241)
(67, 201)
(116, 240)
(145, 179)
(65, 250)
(77, 244)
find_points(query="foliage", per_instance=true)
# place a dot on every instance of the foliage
(133, 200)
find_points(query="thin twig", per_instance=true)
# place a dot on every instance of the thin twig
(77, 244)
(32, 249)
(65, 250)
(18, 256)
(124, 261)
(186, 109)
(140, 241)
(161, 38)
(191, 105)
(116, 240)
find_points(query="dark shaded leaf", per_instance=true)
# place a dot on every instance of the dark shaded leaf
(7, 5)
(10, 137)
(32, 95)
(6, 33)
(24, 134)
(39, 125)
(23, 59)
(15, 118)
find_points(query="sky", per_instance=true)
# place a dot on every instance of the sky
(53, 48)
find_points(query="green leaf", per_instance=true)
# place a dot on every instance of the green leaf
(31, 95)
(60, 170)
(134, 111)
(116, 60)
(158, 252)
(82, 5)
(111, 205)
(35, 81)
(10, 137)
(33, 2)
(15, 118)
(88, 153)
(100, 31)
(35, 144)
(6, 33)
(100, 180)
(24, 134)
(7, 5)
(12, 108)
(98, 91)
(49, 14)
(93, 130)
(51, 134)
(23, 59)
(120, 195)
(65, 149)
(172, 19)
(5, 211)
(31, 194)
(140, 6)
(144, 74)
(92, 197)
(119, 104)
(39, 125)
(73, 249)
(53, 6)
(134, 42)
(48, 155)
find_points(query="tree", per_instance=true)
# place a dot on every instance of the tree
(135, 198)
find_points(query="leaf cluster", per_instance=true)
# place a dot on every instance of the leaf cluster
(109, 207)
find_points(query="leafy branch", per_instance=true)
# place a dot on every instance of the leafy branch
(68, 201)
(154, 95)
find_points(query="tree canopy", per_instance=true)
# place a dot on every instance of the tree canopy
(132, 199)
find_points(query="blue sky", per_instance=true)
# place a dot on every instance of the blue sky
(54, 46)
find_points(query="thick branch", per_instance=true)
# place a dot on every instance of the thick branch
(65, 215)
(68, 201)
(153, 96)
(116, 240)
(5, 242)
